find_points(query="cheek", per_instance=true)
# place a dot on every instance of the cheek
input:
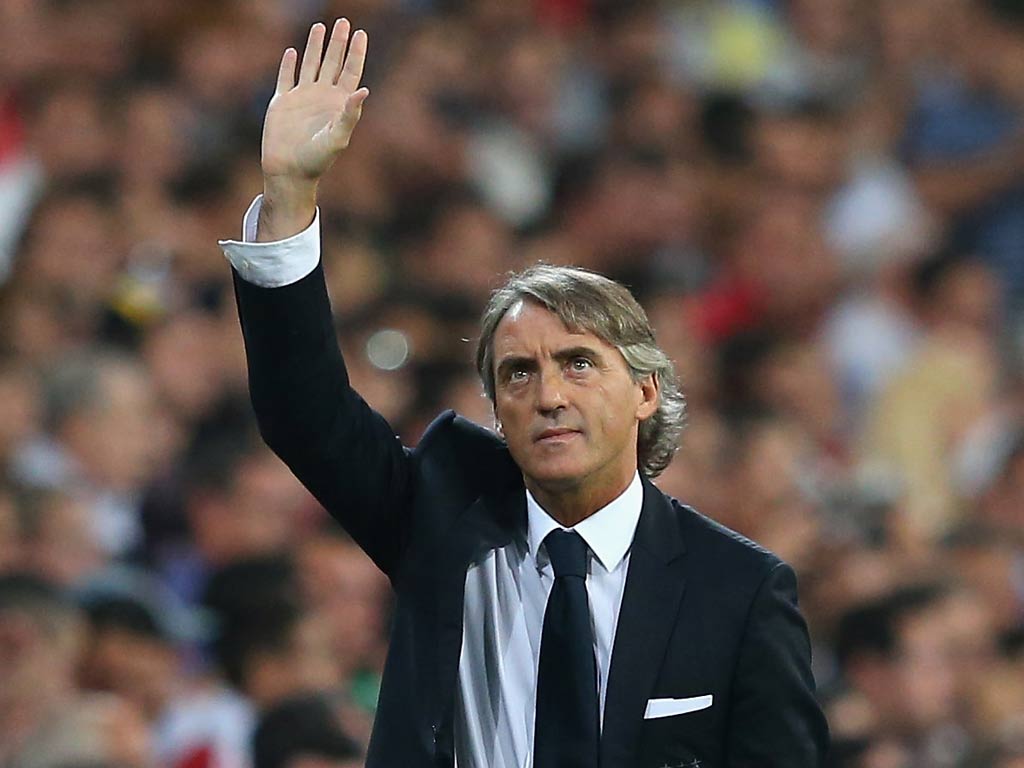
(610, 410)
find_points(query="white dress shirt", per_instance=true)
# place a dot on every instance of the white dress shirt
(503, 616)
(507, 590)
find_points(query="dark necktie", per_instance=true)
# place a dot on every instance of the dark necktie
(567, 725)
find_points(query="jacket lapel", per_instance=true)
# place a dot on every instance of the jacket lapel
(492, 521)
(654, 587)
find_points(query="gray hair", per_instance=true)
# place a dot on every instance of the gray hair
(586, 301)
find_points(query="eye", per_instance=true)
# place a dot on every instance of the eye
(517, 374)
(580, 364)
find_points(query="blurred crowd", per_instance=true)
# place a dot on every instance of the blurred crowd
(820, 203)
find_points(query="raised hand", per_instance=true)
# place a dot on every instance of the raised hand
(308, 123)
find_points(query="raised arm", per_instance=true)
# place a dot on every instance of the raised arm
(308, 124)
(342, 450)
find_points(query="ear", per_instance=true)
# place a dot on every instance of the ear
(649, 390)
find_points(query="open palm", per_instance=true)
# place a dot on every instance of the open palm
(310, 121)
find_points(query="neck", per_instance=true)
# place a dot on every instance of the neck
(570, 506)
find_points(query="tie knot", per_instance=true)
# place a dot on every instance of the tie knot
(568, 553)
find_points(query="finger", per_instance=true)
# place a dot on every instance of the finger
(286, 73)
(352, 72)
(335, 55)
(314, 50)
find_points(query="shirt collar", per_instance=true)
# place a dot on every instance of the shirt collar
(608, 532)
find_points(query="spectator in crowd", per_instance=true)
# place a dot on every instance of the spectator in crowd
(341, 584)
(105, 437)
(896, 657)
(268, 643)
(128, 653)
(303, 732)
(45, 720)
(236, 502)
(57, 541)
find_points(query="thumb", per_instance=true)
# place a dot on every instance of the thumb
(342, 127)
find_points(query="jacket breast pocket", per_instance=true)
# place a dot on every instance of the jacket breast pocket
(679, 732)
(675, 715)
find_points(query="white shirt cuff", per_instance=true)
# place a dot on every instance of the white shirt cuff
(273, 265)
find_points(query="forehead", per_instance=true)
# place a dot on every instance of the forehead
(528, 328)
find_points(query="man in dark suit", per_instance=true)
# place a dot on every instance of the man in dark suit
(553, 608)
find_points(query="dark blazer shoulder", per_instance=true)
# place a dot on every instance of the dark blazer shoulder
(455, 464)
(457, 453)
(717, 546)
(700, 525)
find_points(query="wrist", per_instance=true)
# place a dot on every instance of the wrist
(288, 207)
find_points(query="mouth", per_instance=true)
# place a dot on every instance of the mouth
(555, 435)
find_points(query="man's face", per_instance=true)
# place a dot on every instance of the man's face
(566, 404)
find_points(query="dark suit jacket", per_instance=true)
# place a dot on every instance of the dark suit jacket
(704, 610)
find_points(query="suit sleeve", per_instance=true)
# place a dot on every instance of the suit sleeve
(775, 720)
(342, 450)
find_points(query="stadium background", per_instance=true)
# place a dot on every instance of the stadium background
(820, 202)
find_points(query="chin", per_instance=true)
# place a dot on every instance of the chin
(555, 476)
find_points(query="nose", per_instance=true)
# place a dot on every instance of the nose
(550, 392)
